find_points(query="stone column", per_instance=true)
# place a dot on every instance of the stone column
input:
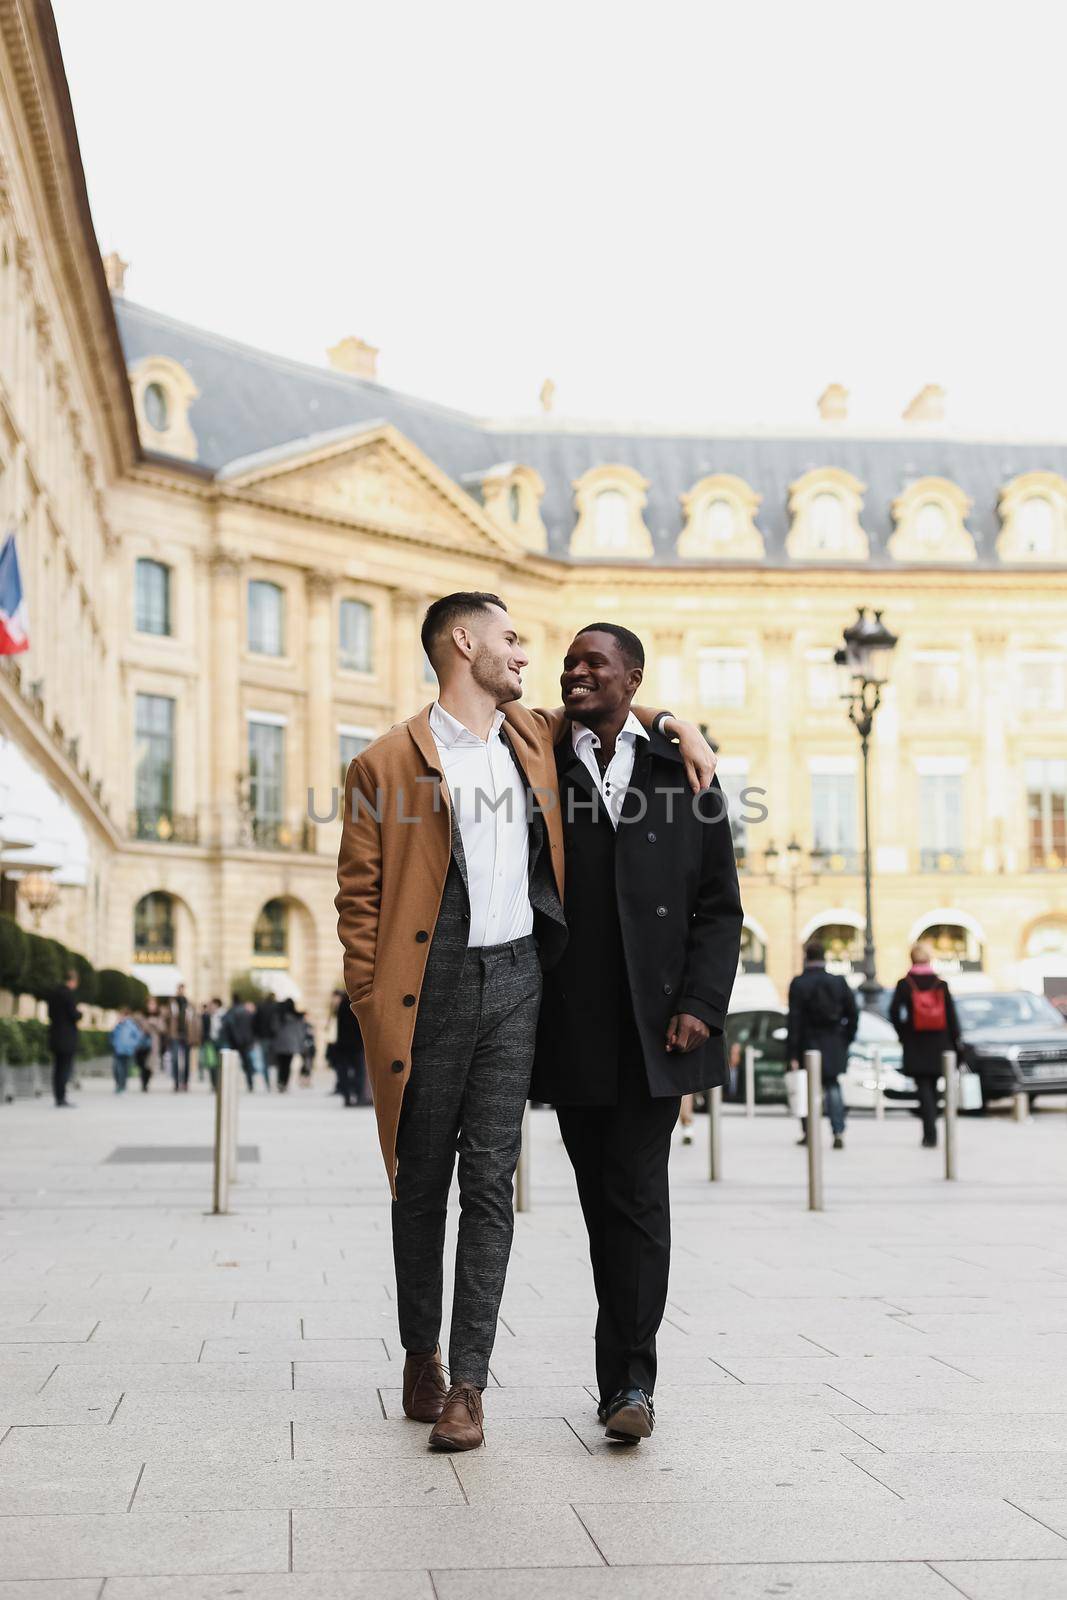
(228, 738)
(1002, 826)
(321, 750)
(409, 689)
(665, 687)
(779, 763)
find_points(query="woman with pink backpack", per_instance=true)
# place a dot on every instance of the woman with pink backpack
(924, 1016)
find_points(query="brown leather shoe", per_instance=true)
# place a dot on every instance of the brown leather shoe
(424, 1386)
(460, 1424)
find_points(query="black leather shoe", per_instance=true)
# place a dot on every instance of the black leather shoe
(630, 1416)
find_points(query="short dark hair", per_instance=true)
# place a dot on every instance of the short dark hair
(630, 646)
(443, 615)
(814, 950)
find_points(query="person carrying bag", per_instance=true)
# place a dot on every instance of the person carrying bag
(924, 1017)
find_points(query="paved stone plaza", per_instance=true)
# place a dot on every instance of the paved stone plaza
(870, 1404)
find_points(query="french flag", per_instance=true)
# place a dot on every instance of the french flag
(14, 624)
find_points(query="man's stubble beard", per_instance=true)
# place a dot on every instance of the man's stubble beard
(490, 674)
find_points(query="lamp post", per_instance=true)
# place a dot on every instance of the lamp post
(864, 669)
(794, 879)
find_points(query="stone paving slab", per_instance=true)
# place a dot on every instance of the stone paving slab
(861, 1404)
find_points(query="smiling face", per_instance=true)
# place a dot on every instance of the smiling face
(597, 684)
(495, 654)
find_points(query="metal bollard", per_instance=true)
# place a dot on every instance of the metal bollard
(220, 1202)
(750, 1080)
(234, 1092)
(522, 1169)
(952, 1101)
(813, 1068)
(715, 1134)
(1022, 1106)
(879, 1098)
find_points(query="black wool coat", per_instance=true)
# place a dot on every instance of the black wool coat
(63, 1015)
(654, 914)
(923, 1051)
(806, 1033)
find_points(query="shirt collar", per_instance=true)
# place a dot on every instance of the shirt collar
(631, 728)
(449, 731)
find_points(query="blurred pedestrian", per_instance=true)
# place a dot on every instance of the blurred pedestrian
(924, 1016)
(210, 1023)
(63, 1018)
(307, 1053)
(822, 1016)
(179, 1013)
(288, 1041)
(149, 1051)
(264, 1022)
(345, 1052)
(236, 1033)
(125, 1038)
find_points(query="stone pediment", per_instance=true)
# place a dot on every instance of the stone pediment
(375, 479)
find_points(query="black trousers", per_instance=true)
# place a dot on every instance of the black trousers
(62, 1061)
(284, 1060)
(619, 1154)
(927, 1088)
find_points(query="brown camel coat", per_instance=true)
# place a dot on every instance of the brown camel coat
(396, 845)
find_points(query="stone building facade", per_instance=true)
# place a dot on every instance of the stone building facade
(227, 555)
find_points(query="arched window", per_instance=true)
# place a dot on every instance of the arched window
(955, 948)
(843, 945)
(151, 597)
(827, 522)
(157, 407)
(270, 938)
(931, 523)
(357, 636)
(1037, 526)
(719, 521)
(266, 618)
(153, 928)
(514, 502)
(1048, 938)
(612, 515)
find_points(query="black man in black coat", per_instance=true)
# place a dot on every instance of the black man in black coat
(63, 1016)
(632, 1015)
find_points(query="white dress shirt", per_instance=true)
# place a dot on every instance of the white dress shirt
(489, 801)
(615, 779)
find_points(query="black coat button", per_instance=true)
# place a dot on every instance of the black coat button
(667, 989)
(398, 1066)
(422, 936)
(661, 911)
(651, 837)
(409, 999)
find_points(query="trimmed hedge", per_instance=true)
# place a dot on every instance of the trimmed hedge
(25, 1040)
(35, 965)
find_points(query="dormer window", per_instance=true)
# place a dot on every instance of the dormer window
(156, 408)
(162, 393)
(1033, 511)
(514, 502)
(511, 495)
(610, 501)
(720, 525)
(930, 519)
(825, 505)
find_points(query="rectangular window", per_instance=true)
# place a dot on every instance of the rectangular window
(722, 678)
(1042, 682)
(266, 618)
(822, 678)
(732, 774)
(1046, 809)
(352, 742)
(937, 678)
(940, 821)
(356, 636)
(151, 597)
(153, 761)
(266, 771)
(833, 818)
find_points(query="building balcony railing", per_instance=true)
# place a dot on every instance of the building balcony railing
(835, 863)
(269, 833)
(1048, 860)
(932, 860)
(163, 827)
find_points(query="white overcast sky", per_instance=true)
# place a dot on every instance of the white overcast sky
(679, 211)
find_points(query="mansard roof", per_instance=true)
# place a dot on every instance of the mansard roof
(251, 402)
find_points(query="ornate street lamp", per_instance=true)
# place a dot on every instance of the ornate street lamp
(792, 877)
(863, 664)
(39, 893)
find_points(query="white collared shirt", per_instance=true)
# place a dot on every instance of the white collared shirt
(489, 802)
(615, 779)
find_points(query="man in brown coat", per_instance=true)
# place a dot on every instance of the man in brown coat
(450, 884)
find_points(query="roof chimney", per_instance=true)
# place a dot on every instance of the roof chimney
(354, 356)
(833, 403)
(115, 270)
(928, 405)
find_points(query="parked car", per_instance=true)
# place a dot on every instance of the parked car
(1014, 1041)
(765, 1031)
